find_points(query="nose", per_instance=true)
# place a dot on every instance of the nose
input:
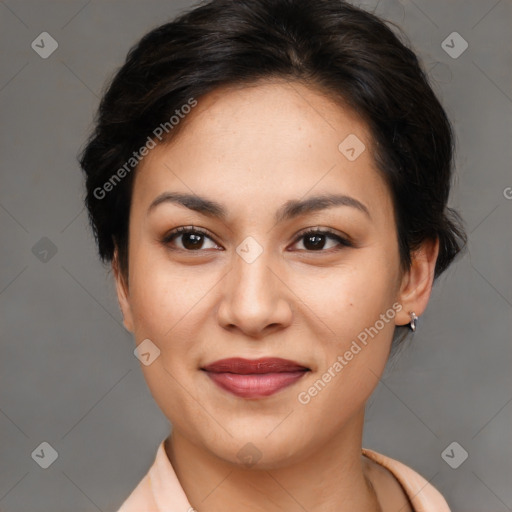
(255, 298)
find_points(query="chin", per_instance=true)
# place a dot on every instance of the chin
(252, 447)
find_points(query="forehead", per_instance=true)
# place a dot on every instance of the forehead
(268, 140)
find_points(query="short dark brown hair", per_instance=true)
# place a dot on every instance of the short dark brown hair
(344, 51)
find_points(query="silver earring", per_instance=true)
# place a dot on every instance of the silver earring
(412, 324)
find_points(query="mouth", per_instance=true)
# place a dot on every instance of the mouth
(254, 378)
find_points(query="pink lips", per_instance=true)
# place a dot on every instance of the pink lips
(254, 378)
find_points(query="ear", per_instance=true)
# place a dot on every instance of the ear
(122, 293)
(417, 282)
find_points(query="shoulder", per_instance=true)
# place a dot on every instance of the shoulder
(157, 489)
(141, 498)
(422, 495)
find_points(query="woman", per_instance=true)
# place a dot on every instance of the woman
(269, 180)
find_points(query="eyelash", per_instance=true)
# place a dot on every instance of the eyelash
(169, 237)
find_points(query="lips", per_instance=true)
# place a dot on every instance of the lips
(254, 378)
(242, 366)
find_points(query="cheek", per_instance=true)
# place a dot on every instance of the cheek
(163, 294)
(351, 297)
(351, 365)
(355, 302)
(170, 303)
(165, 302)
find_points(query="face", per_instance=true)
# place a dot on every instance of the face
(251, 284)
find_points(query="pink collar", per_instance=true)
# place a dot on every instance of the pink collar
(161, 491)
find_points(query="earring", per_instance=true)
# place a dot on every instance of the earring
(412, 324)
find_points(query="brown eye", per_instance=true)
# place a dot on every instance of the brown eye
(192, 239)
(316, 240)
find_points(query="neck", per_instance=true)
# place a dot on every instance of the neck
(329, 478)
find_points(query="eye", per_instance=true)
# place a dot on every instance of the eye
(315, 240)
(192, 238)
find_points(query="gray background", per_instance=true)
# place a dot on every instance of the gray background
(68, 374)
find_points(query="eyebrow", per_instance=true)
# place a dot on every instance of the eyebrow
(291, 209)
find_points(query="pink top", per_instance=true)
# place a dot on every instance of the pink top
(161, 491)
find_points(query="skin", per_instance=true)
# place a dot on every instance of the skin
(252, 149)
